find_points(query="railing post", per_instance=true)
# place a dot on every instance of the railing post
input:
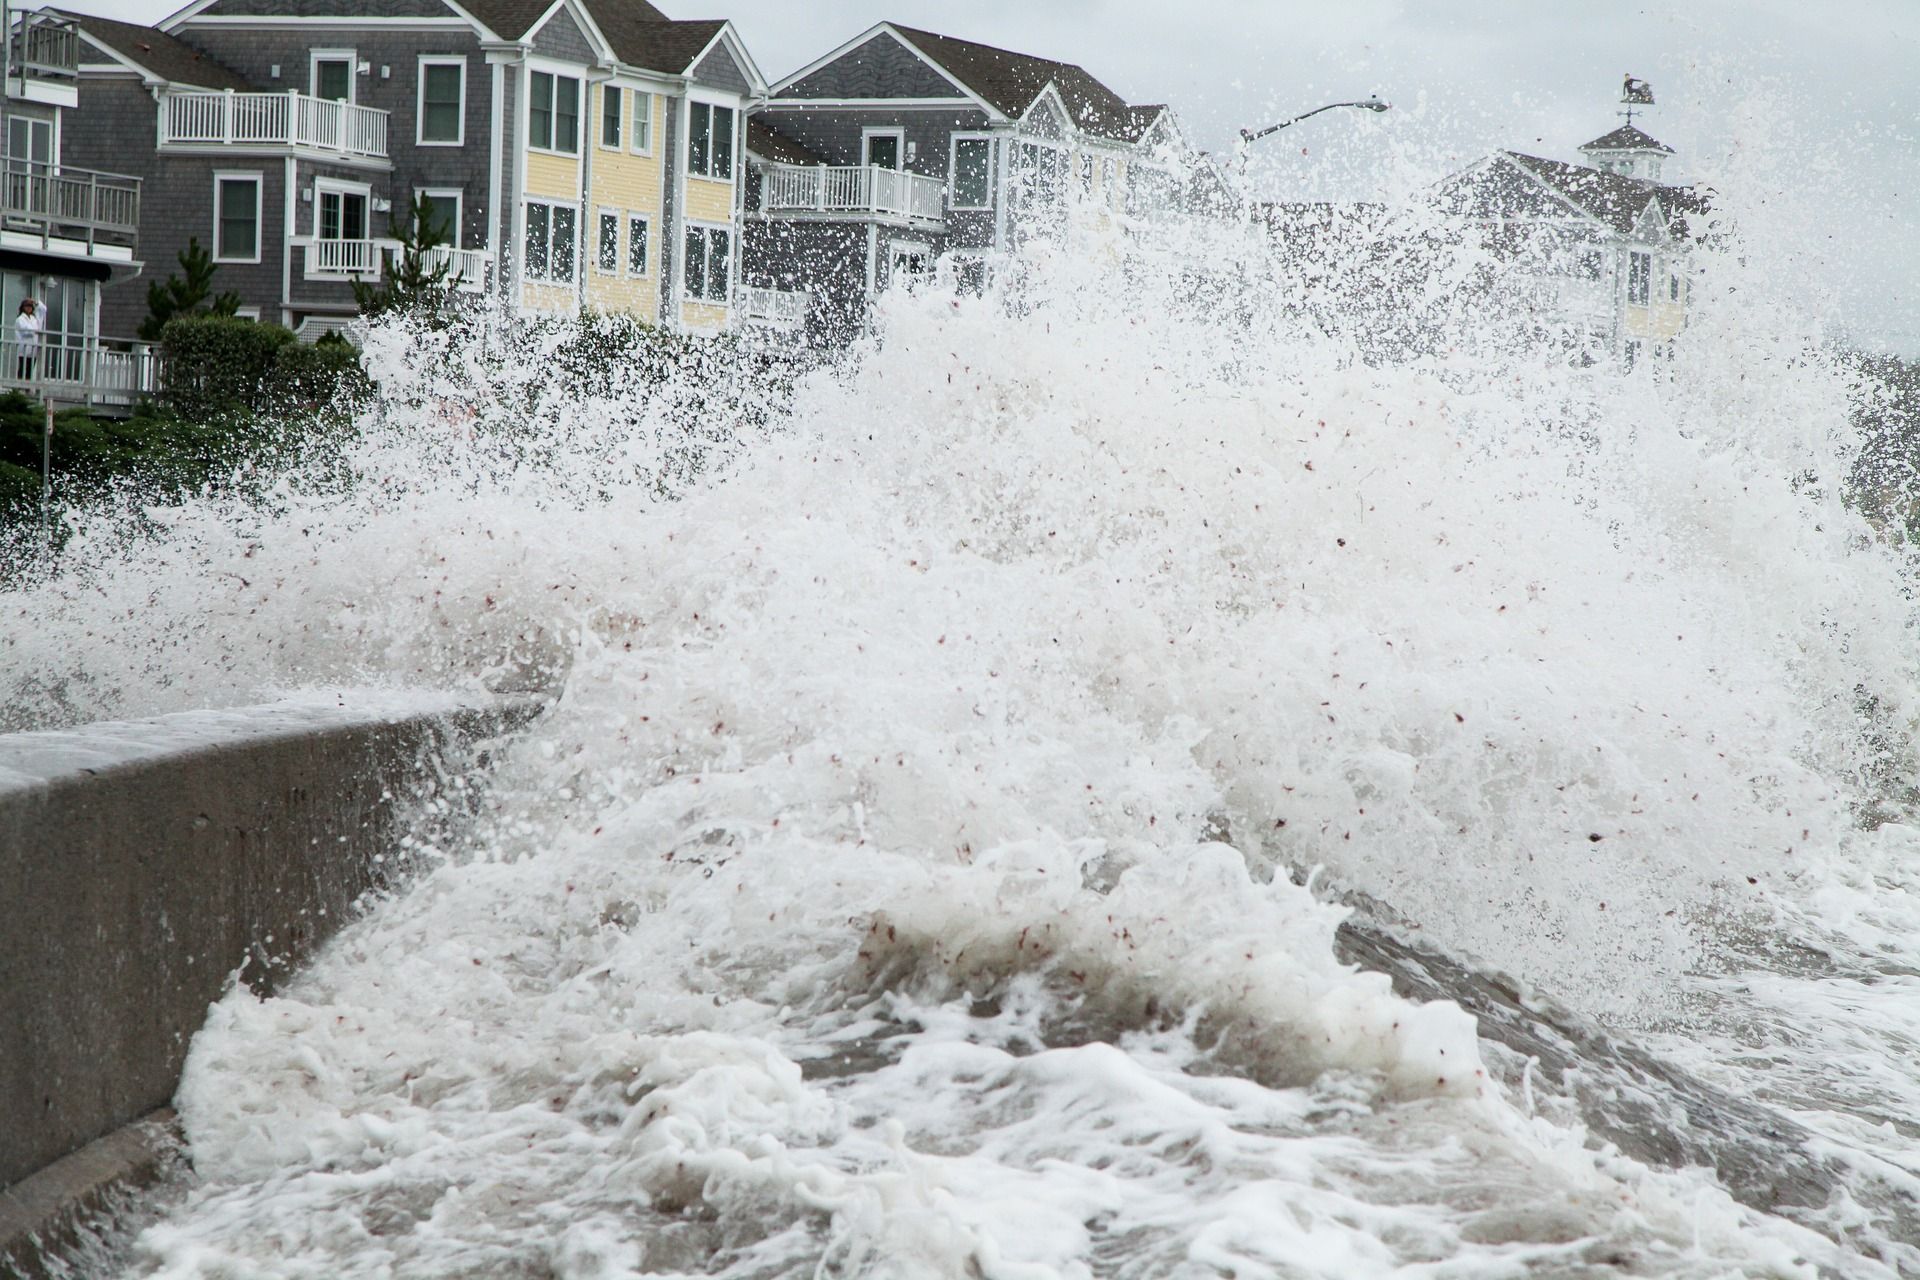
(292, 132)
(226, 124)
(820, 190)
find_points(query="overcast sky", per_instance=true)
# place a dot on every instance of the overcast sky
(1816, 103)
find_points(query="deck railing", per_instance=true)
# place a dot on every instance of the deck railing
(288, 119)
(345, 258)
(466, 268)
(58, 202)
(851, 189)
(45, 45)
(107, 373)
(772, 308)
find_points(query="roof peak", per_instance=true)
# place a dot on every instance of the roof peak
(1627, 138)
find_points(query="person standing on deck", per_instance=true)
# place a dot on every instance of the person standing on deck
(26, 335)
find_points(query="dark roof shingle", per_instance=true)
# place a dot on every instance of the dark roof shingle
(1009, 82)
(1613, 198)
(1627, 138)
(171, 60)
(770, 144)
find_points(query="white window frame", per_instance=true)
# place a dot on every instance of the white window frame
(600, 215)
(620, 116)
(526, 222)
(420, 100)
(323, 187)
(640, 95)
(259, 180)
(1645, 286)
(733, 244)
(953, 169)
(450, 195)
(349, 56)
(899, 136)
(686, 145)
(626, 247)
(33, 122)
(557, 72)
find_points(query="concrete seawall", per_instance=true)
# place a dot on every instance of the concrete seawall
(142, 863)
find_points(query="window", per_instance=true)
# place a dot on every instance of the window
(441, 210)
(882, 148)
(610, 116)
(710, 141)
(331, 74)
(551, 231)
(607, 248)
(1673, 287)
(553, 113)
(343, 214)
(709, 260)
(643, 122)
(29, 141)
(1086, 174)
(636, 245)
(972, 173)
(443, 101)
(236, 217)
(1639, 278)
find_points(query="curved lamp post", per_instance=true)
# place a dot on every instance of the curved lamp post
(1250, 136)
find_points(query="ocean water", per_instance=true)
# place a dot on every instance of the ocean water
(1002, 797)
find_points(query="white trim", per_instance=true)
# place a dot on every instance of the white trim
(894, 131)
(349, 56)
(638, 93)
(626, 246)
(687, 227)
(424, 61)
(550, 204)
(457, 196)
(619, 241)
(495, 151)
(603, 48)
(324, 187)
(247, 313)
(953, 169)
(891, 104)
(259, 179)
(621, 121)
(558, 71)
(711, 98)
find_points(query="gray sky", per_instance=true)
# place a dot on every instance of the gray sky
(1814, 104)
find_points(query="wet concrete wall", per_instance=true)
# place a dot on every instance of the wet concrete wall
(143, 863)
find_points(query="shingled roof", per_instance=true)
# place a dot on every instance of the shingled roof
(769, 143)
(1010, 82)
(1627, 138)
(657, 46)
(1613, 198)
(157, 53)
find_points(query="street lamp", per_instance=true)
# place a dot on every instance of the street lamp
(1250, 136)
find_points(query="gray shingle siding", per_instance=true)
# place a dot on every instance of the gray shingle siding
(880, 68)
(836, 133)
(828, 259)
(561, 37)
(718, 70)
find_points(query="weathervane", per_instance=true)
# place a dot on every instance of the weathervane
(1635, 93)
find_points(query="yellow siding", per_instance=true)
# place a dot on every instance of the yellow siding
(626, 183)
(1662, 320)
(703, 315)
(554, 176)
(709, 201)
(546, 297)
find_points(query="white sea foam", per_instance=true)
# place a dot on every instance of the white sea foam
(906, 878)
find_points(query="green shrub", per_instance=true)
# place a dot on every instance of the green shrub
(219, 365)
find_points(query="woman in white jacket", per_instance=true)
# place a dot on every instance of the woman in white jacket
(26, 338)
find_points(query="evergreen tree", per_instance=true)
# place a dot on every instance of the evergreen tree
(410, 284)
(185, 294)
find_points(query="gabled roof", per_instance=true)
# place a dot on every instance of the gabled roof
(768, 143)
(1612, 198)
(1627, 138)
(653, 44)
(1010, 83)
(156, 53)
(515, 19)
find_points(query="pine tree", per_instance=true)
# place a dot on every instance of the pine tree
(185, 294)
(410, 283)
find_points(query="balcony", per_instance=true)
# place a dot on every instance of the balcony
(46, 46)
(843, 191)
(778, 309)
(77, 207)
(466, 268)
(108, 375)
(329, 259)
(292, 120)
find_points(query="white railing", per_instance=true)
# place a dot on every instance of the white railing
(851, 189)
(273, 119)
(70, 369)
(466, 268)
(772, 308)
(345, 257)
